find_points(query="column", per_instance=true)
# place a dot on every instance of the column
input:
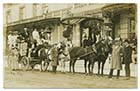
(76, 35)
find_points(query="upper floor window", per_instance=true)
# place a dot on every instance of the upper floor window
(21, 13)
(44, 8)
(34, 9)
(132, 25)
(8, 16)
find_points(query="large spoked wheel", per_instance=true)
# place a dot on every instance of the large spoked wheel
(24, 63)
(44, 65)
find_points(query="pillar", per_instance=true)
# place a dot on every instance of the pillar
(76, 35)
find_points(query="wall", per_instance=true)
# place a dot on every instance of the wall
(76, 35)
(124, 25)
(58, 6)
(28, 9)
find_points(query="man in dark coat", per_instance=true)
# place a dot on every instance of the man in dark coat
(54, 58)
(26, 35)
(127, 57)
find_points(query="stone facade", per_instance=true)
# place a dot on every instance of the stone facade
(15, 14)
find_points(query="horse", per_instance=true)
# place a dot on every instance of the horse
(103, 49)
(91, 54)
(86, 54)
(45, 54)
(64, 57)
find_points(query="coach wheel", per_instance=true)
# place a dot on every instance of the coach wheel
(24, 63)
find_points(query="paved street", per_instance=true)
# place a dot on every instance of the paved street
(37, 79)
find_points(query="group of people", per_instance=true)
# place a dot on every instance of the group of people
(121, 54)
(122, 51)
(32, 39)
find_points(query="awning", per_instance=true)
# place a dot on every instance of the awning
(76, 20)
(38, 24)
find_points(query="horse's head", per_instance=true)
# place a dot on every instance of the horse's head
(106, 47)
(102, 47)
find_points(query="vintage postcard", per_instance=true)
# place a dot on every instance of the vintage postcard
(70, 45)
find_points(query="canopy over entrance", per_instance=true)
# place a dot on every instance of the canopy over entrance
(76, 20)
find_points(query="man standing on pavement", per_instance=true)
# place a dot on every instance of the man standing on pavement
(127, 58)
(54, 58)
(116, 58)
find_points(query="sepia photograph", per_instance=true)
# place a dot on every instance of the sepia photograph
(70, 46)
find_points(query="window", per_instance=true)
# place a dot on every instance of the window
(21, 13)
(132, 30)
(34, 9)
(8, 16)
(44, 8)
(132, 25)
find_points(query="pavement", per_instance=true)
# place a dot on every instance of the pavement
(38, 80)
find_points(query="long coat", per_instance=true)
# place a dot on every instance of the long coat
(127, 55)
(116, 58)
(54, 56)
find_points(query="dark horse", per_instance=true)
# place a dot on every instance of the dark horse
(103, 49)
(90, 55)
(87, 54)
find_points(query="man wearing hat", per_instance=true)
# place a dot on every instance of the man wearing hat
(116, 63)
(127, 58)
(12, 39)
